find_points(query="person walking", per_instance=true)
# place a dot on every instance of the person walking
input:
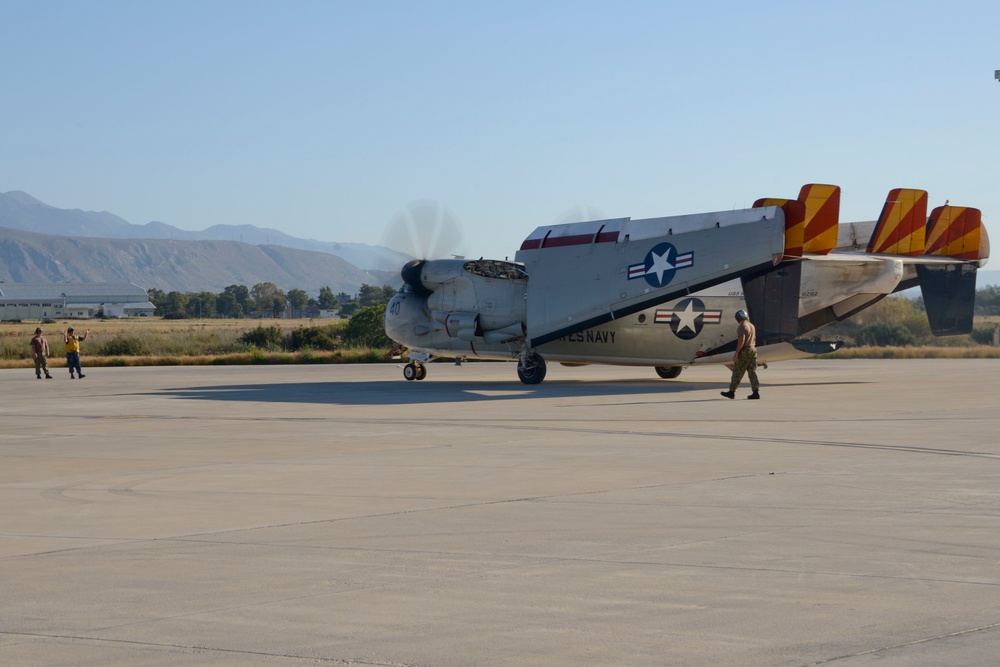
(745, 357)
(40, 352)
(73, 351)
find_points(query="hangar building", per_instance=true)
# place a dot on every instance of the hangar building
(72, 300)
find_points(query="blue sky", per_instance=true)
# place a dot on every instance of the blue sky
(324, 119)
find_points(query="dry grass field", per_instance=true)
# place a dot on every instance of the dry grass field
(159, 342)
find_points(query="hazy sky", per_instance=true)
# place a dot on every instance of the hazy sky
(324, 119)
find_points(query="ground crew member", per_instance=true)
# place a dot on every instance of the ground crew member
(745, 357)
(40, 352)
(73, 351)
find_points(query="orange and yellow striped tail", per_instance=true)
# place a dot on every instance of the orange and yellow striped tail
(956, 231)
(795, 222)
(902, 225)
(822, 204)
(811, 220)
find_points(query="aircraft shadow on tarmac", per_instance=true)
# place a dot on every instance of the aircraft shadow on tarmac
(415, 393)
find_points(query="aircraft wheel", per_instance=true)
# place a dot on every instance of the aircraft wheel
(421, 372)
(410, 371)
(531, 370)
(669, 372)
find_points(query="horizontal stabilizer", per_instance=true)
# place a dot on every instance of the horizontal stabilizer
(585, 274)
(901, 226)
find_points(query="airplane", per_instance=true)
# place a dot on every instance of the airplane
(662, 292)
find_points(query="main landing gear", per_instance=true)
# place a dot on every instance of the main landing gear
(531, 368)
(414, 371)
(669, 372)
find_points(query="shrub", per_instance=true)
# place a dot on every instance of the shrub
(983, 335)
(129, 346)
(367, 328)
(263, 337)
(310, 338)
(882, 334)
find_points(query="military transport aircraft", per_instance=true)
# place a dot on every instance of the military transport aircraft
(662, 292)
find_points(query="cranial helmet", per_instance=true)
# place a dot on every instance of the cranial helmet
(741, 315)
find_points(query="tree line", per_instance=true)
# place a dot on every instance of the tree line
(264, 300)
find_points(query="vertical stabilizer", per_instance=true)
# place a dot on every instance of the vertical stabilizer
(956, 231)
(902, 224)
(822, 204)
(949, 290)
(795, 222)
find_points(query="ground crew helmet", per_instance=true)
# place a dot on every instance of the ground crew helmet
(741, 315)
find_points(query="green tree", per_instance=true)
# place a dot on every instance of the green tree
(202, 304)
(988, 300)
(367, 329)
(297, 299)
(327, 301)
(348, 308)
(234, 301)
(174, 305)
(158, 298)
(370, 295)
(226, 306)
(278, 303)
(265, 296)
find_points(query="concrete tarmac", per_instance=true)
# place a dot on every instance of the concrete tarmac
(340, 515)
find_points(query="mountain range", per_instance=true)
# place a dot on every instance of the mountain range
(41, 243)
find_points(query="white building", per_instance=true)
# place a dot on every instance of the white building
(72, 300)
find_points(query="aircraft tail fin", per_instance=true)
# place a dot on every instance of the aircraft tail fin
(949, 290)
(772, 295)
(822, 212)
(957, 231)
(901, 227)
(795, 222)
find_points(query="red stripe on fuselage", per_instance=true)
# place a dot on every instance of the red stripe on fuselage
(576, 239)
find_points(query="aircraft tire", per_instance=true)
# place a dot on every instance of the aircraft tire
(410, 372)
(669, 372)
(421, 372)
(532, 370)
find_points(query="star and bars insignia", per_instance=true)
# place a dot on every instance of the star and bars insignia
(660, 265)
(687, 318)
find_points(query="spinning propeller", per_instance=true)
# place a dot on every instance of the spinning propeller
(425, 230)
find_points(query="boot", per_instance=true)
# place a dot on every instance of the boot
(754, 396)
(728, 394)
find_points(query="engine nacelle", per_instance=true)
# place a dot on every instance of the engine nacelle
(460, 325)
(447, 303)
